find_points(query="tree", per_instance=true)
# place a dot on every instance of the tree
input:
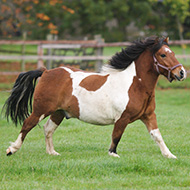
(174, 11)
(69, 18)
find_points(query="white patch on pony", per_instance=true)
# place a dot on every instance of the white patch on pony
(49, 129)
(41, 117)
(105, 105)
(157, 137)
(140, 79)
(15, 146)
(185, 73)
(109, 69)
(168, 50)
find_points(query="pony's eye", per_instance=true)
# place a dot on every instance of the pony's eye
(163, 55)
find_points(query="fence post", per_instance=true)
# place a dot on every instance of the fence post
(99, 52)
(50, 51)
(23, 52)
(40, 53)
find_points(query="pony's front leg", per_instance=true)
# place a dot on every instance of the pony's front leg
(118, 130)
(151, 124)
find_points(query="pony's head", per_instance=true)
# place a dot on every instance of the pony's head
(166, 62)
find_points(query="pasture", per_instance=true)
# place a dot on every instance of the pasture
(84, 162)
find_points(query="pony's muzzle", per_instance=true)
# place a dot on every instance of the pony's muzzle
(181, 75)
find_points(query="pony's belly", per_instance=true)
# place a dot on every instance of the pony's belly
(95, 117)
(100, 111)
(97, 120)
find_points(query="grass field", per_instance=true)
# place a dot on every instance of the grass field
(84, 162)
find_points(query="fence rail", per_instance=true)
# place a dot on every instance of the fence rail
(53, 57)
(84, 43)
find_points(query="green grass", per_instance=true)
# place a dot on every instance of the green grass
(6, 86)
(164, 84)
(17, 49)
(84, 162)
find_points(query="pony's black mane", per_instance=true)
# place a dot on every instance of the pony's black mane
(123, 59)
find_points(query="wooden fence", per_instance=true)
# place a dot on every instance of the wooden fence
(77, 47)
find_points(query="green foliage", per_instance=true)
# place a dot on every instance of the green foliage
(84, 162)
(76, 19)
(174, 16)
(179, 8)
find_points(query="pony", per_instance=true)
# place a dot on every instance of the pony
(123, 92)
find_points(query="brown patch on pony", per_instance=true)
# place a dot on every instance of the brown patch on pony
(93, 82)
(136, 106)
(73, 107)
(54, 92)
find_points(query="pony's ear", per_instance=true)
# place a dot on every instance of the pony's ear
(166, 40)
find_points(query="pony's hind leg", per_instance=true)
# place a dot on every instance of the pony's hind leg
(50, 127)
(28, 124)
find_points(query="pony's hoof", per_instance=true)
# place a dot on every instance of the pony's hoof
(113, 154)
(54, 153)
(9, 152)
(170, 156)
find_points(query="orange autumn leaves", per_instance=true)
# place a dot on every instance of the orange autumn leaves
(53, 28)
(50, 26)
(68, 9)
(42, 16)
(31, 14)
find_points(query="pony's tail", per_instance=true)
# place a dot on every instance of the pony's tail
(19, 104)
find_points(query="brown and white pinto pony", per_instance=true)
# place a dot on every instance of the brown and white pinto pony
(123, 92)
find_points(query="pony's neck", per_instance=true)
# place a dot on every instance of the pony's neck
(146, 71)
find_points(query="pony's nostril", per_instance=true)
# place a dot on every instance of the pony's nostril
(181, 73)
